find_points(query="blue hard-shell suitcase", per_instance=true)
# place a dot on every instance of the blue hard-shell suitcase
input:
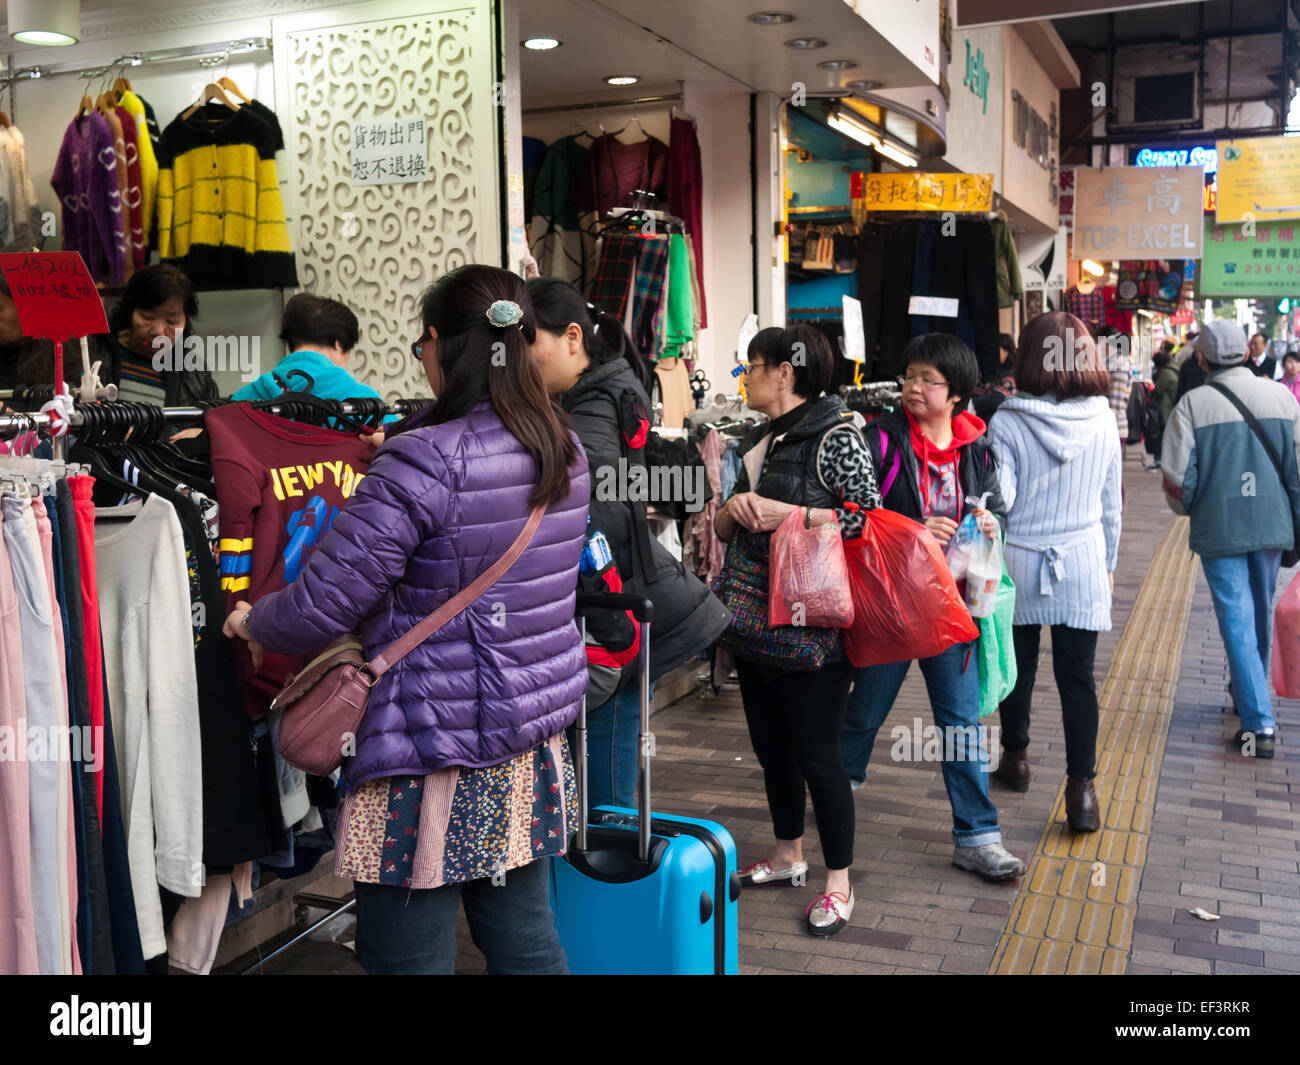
(640, 898)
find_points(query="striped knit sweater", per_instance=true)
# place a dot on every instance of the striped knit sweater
(220, 213)
(1059, 468)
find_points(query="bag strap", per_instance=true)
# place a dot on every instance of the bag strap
(396, 651)
(1253, 422)
(893, 470)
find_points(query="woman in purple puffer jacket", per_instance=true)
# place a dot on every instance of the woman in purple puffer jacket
(461, 785)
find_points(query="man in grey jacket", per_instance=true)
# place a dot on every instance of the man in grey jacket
(1218, 470)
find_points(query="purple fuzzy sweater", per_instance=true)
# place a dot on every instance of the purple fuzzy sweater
(85, 179)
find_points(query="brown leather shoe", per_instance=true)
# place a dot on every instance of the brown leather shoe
(1013, 770)
(1082, 810)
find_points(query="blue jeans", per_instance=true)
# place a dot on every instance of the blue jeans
(953, 681)
(401, 932)
(1242, 587)
(612, 730)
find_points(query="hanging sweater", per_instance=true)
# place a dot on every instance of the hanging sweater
(1059, 468)
(144, 611)
(135, 107)
(85, 180)
(25, 211)
(220, 213)
(133, 201)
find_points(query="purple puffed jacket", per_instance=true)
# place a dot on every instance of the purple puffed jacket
(440, 504)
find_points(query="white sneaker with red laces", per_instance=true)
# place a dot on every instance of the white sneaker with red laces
(827, 914)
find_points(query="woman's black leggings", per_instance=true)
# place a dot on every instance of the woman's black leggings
(794, 723)
(1074, 654)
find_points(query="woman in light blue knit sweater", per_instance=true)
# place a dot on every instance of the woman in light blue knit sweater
(1059, 464)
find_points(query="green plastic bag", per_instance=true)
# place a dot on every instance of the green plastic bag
(997, 652)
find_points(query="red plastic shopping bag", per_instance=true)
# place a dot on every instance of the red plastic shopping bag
(808, 582)
(1286, 642)
(905, 602)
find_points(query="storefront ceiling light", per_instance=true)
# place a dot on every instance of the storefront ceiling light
(838, 64)
(804, 44)
(542, 44)
(623, 79)
(771, 18)
(899, 155)
(1093, 267)
(850, 127)
(45, 22)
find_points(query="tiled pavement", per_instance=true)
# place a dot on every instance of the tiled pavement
(1223, 832)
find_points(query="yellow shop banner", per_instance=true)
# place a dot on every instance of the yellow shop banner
(928, 192)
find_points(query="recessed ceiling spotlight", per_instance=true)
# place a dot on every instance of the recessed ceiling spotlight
(838, 64)
(862, 85)
(805, 43)
(771, 18)
(542, 44)
(623, 79)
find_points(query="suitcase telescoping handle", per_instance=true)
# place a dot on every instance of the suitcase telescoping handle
(642, 610)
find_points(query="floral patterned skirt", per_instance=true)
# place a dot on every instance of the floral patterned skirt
(457, 824)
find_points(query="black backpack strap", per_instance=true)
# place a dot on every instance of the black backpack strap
(1256, 428)
(634, 430)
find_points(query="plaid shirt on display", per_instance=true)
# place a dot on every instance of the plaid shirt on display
(618, 259)
(1089, 309)
(648, 294)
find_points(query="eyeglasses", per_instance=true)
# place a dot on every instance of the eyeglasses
(748, 367)
(925, 382)
(417, 347)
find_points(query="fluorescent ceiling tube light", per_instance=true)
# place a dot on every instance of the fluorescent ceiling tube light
(1093, 267)
(45, 22)
(842, 123)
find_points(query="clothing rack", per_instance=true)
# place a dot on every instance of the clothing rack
(207, 54)
(604, 105)
(13, 423)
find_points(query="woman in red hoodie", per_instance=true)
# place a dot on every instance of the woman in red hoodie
(930, 456)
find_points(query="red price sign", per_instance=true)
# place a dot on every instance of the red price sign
(54, 294)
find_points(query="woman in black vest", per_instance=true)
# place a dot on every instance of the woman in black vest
(794, 681)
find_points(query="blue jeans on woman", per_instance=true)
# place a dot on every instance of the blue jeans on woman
(612, 730)
(401, 932)
(953, 681)
(1242, 588)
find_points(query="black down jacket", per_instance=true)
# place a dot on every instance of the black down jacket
(687, 616)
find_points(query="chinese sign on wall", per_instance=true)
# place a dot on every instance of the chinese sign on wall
(385, 153)
(928, 192)
(1236, 263)
(1259, 178)
(1130, 212)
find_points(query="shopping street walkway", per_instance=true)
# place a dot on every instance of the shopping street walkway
(1189, 822)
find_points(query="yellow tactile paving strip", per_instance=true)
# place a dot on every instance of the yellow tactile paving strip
(1074, 912)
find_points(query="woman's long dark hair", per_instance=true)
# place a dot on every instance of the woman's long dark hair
(479, 360)
(558, 304)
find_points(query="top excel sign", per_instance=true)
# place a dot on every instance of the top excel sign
(1137, 212)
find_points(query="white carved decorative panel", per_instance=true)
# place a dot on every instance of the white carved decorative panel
(377, 247)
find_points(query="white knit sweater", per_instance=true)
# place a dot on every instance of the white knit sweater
(1059, 464)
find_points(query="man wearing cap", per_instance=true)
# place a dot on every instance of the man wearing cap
(1218, 471)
